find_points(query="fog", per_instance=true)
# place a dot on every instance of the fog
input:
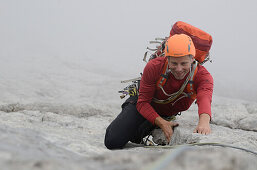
(113, 35)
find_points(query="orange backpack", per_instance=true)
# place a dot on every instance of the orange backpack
(202, 42)
(201, 39)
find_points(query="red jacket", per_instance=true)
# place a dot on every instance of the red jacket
(203, 84)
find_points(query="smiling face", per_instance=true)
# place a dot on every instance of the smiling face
(180, 66)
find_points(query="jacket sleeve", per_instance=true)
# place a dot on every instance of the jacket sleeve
(146, 93)
(204, 89)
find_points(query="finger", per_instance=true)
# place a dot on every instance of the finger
(167, 137)
(169, 134)
(201, 130)
(208, 132)
(174, 124)
(195, 131)
(168, 140)
(205, 131)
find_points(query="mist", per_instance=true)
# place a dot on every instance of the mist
(113, 35)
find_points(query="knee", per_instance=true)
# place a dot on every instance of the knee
(113, 141)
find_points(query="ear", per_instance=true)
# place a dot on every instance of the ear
(191, 59)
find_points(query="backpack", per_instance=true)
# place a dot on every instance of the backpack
(201, 39)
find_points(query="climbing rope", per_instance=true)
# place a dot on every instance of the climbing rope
(166, 159)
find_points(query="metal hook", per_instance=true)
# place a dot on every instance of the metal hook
(160, 39)
(151, 49)
(144, 59)
(154, 42)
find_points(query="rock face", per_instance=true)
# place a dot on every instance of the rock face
(211, 158)
(231, 122)
(56, 118)
(46, 137)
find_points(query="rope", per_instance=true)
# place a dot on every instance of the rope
(202, 144)
(166, 159)
(173, 96)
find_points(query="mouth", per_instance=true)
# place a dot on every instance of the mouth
(179, 75)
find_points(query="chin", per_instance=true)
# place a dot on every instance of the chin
(179, 77)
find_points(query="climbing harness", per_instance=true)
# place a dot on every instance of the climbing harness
(188, 82)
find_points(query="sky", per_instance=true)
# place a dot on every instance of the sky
(113, 35)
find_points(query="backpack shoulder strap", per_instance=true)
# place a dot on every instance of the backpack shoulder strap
(164, 75)
(190, 89)
(190, 85)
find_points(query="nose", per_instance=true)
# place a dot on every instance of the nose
(179, 68)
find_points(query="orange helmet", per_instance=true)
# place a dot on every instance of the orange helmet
(179, 45)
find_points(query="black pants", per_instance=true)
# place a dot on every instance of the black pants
(129, 125)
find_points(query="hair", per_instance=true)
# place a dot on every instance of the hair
(189, 55)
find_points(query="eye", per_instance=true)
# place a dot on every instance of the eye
(174, 64)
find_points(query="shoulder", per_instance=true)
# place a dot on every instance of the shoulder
(203, 75)
(202, 71)
(156, 64)
(154, 68)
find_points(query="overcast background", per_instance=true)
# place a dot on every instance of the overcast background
(112, 35)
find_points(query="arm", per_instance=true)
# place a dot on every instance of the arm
(146, 93)
(204, 84)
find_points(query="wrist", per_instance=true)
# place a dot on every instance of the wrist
(204, 118)
(159, 121)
